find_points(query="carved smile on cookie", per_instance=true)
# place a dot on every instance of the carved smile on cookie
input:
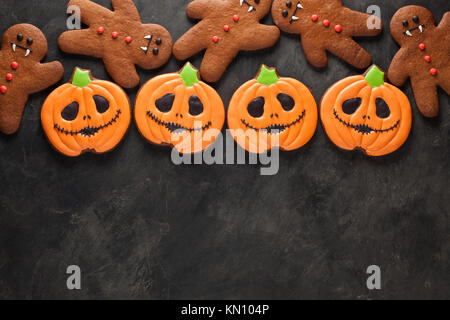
(175, 127)
(293, 17)
(350, 106)
(419, 27)
(15, 45)
(155, 50)
(276, 128)
(86, 131)
(250, 7)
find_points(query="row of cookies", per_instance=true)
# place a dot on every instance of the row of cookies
(120, 38)
(180, 110)
(230, 26)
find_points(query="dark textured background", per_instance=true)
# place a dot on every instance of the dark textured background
(140, 227)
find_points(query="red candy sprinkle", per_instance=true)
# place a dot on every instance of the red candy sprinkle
(326, 23)
(422, 46)
(427, 58)
(9, 76)
(338, 28)
(236, 18)
(128, 39)
(14, 65)
(314, 17)
(3, 89)
(100, 30)
(433, 71)
(115, 35)
(226, 28)
(215, 39)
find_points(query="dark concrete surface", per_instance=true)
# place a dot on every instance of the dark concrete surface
(141, 227)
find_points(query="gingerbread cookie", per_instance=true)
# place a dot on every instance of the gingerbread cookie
(179, 110)
(23, 48)
(424, 56)
(326, 26)
(271, 111)
(86, 115)
(120, 39)
(366, 113)
(226, 27)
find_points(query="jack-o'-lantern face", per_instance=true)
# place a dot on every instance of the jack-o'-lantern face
(179, 110)
(86, 115)
(270, 111)
(364, 112)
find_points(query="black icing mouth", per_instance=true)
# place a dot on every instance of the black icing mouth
(276, 128)
(89, 131)
(420, 27)
(364, 128)
(175, 127)
(14, 47)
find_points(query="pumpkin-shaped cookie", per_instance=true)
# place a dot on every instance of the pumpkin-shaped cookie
(179, 110)
(366, 113)
(270, 111)
(86, 115)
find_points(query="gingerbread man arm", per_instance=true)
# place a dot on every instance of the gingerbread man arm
(261, 37)
(198, 9)
(127, 9)
(115, 68)
(398, 73)
(47, 73)
(189, 44)
(80, 42)
(90, 11)
(359, 23)
(445, 22)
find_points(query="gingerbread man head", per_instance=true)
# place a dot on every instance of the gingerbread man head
(411, 24)
(152, 44)
(25, 41)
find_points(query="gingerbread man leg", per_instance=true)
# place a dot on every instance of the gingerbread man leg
(90, 11)
(214, 64)
(350, 51)
(426, 96)
(315, 54)
(11, 111)
(129, 79)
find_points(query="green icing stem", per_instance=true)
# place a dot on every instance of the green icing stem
(189, 75)
(375, 77)
(267, 76)
(81, 78)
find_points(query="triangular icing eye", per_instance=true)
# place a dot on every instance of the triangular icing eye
(256, 107)
(350, 106)
(165, 103)
(101, 103)
(287, 102)
(195, 106)
(70, 112)
(383, 110)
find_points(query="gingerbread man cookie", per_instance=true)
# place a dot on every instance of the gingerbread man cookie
(226, 27)
(326, 25)
(120, 39)
(424, 56)
(23, 48)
